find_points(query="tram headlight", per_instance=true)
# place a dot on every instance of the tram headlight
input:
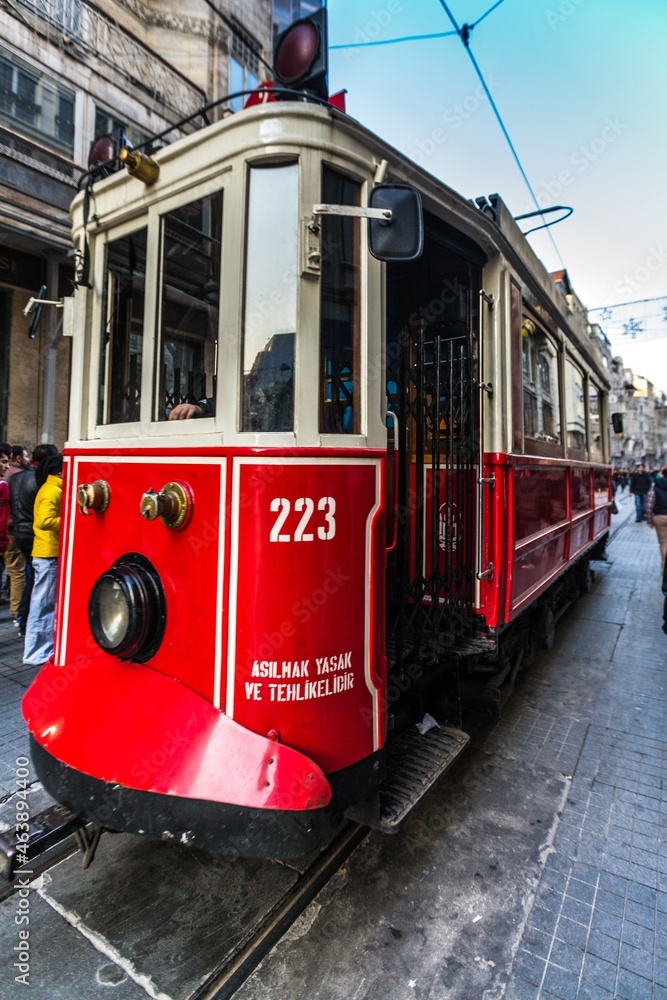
(127, 611)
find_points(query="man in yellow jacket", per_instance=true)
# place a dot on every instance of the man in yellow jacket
(45, 549)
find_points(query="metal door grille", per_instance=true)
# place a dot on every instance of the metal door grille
(431, 572)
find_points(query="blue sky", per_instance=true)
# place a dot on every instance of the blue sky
(581, 86)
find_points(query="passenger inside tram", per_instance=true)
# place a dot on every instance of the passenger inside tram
(188, 411)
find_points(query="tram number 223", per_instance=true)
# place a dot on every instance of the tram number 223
(324, 525)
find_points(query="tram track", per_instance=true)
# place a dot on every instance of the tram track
(223, 982)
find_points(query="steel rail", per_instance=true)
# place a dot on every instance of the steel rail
(228, 978)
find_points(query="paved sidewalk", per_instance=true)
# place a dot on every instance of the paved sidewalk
(535, 869)
(598, 926)
(14, 679)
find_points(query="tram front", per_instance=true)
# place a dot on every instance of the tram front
(219, 672)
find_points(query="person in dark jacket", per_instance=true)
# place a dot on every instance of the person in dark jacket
(22, 493)
(640, 484)
(656, 512)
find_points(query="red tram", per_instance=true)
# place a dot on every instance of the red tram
(398, 475)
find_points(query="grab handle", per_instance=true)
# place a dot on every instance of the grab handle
(394, 543)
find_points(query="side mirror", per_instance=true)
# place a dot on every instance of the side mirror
(617, 422)
(402, 238)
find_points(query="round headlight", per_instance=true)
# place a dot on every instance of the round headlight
(127, 609)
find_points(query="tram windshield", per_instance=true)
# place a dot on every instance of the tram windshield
(269, 327)
(121, 347)
(189, 304)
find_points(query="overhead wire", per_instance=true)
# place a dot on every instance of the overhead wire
(486, 14)
(635, 302)
(464, 34)
(623, 328)
(393, 41)
(411, 38)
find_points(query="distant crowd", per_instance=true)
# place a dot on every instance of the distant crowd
(650, 492)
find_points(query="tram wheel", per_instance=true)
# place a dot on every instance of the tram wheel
(545, 627)
(586, 577)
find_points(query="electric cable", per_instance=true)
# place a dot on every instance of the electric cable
(486, 14)
(393, 41)
(635, 302)
(464, 34)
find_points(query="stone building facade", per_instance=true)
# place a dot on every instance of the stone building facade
(644, 411)
(70, 71)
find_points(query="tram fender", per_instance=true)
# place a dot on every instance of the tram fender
(129, 725)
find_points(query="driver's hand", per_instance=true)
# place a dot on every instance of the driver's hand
(185, 411)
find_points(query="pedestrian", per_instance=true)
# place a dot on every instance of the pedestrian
(4, 520)
(656, 512)
(640, 484)
(46, 525)
(22, 493)
(18, 460)
(624, 479)
(5, 455)
(14, 561)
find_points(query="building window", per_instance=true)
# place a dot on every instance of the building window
(106, 123)
(66, 15)
(36, 105)
(243, 67)
(287, 11)
(240, 78)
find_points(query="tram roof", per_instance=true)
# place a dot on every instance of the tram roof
(490, 226)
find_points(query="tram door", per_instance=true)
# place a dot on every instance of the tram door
(432, 309)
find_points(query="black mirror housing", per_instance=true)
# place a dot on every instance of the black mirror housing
(617, 422)
(403, 237)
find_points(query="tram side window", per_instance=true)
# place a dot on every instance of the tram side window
(122, 330)
(575, 409)
(189, 305)
(339, 310)
(269, 327)
(595, 423)
(541, 400)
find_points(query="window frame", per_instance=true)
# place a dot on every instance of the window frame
(580, 454)
(100, 313)
(602, 456)
(533, 445)
(44, 84)
(136, 220)
(262, 164)
(159, 303)
(358, 405)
